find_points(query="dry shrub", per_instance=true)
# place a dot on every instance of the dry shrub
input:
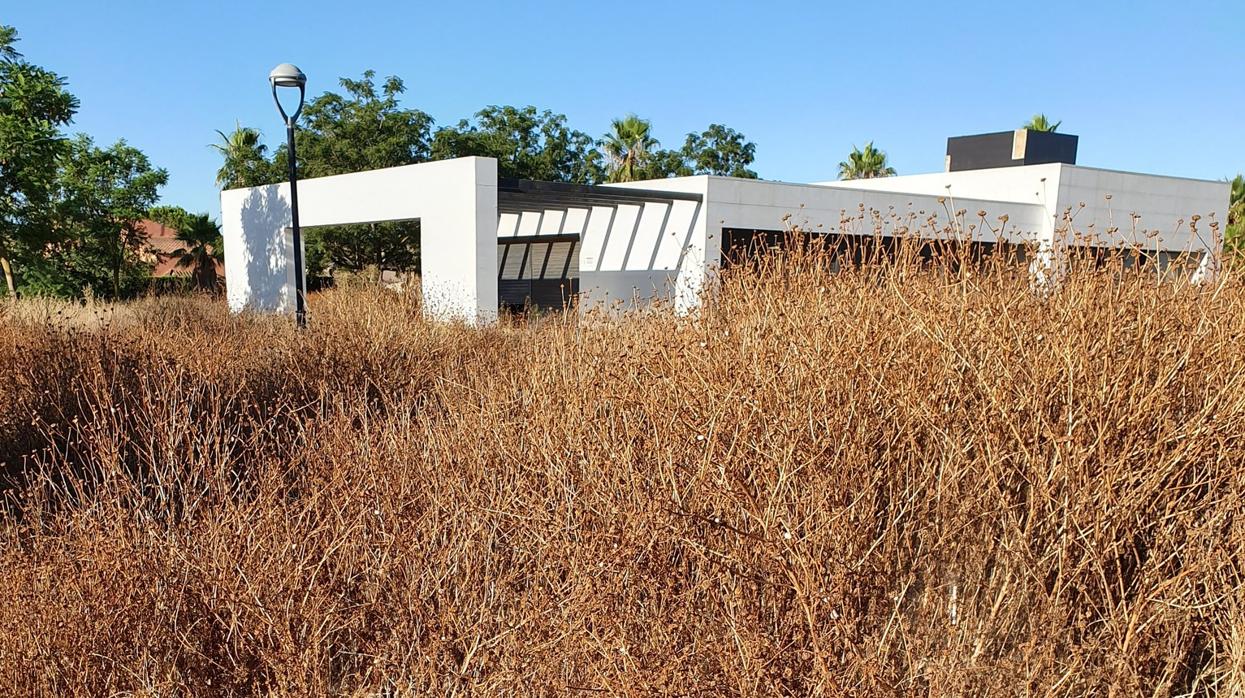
(891, 480)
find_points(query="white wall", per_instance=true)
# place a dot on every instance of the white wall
(455, 201)
(693, 252)
(1090, 206)
(1148, 210)
(1160, 202)
(642, 253)
(1031, 184)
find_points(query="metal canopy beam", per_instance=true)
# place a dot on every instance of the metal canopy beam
(547, 237)
(517, 195)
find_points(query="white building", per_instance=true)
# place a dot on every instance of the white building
(487, 243)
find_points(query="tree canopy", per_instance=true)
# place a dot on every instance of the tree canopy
(1039, 122)
(630, 147)
(102, 195)
(1234, 235)
(866, 163)
(34, 106)
(244, 159)
(365, 128)
(719, 150)
(201, 249)
(528, 144)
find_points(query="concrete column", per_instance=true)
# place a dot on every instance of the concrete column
(458, 246)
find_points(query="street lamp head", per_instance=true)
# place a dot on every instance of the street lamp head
(287, 75)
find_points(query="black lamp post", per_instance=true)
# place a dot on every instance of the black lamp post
(287, 75)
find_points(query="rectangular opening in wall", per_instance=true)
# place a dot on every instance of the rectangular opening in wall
(750, 247)
(384, 253)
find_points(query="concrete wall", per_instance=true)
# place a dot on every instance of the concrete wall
(657, 251)
(454, 200)
(1147, 210)
(1160, 203)
(763, 205)
(1087, 206)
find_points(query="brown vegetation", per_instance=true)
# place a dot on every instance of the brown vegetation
(888, 481)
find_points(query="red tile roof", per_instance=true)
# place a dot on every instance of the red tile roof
(162, 243)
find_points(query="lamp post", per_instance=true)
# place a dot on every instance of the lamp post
(287, 75)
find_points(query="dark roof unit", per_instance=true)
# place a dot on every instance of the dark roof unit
(1009, 148)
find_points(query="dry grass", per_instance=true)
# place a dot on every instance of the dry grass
(882, 482)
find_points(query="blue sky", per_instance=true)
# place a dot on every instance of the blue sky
(1148, 86)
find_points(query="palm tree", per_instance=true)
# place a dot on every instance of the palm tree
(8, 37)
(1039, 122)
(865, 164)
(246, 159)
(203, 250)
(629, 147)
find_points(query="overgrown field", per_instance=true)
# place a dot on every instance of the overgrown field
(890, 481)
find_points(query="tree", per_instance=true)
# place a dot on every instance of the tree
(865, 164)
(720, 151)
(668, 163)
(202, 249)
(245, 159)
(1234, 234)
(8, 37)
(1039, 122)
(527, 145)
(34, 105)
(629, 146)
(364, 129)
(379, 246)
(103, 196)
(174, 217)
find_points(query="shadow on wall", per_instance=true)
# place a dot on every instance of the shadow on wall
(639, 256)
(267, 252)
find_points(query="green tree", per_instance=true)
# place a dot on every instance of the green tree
(1234, 234)
(8, 37)
(720, 150)
(665, 163)
(526, 143)
(202, 249)
(1039, 122)
(629, 146)
(245, 160)
(867, 163)
(104, 194)
(366, 128)
(34, 105)
(174, 217)
(1236, 210)
(377, 246)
